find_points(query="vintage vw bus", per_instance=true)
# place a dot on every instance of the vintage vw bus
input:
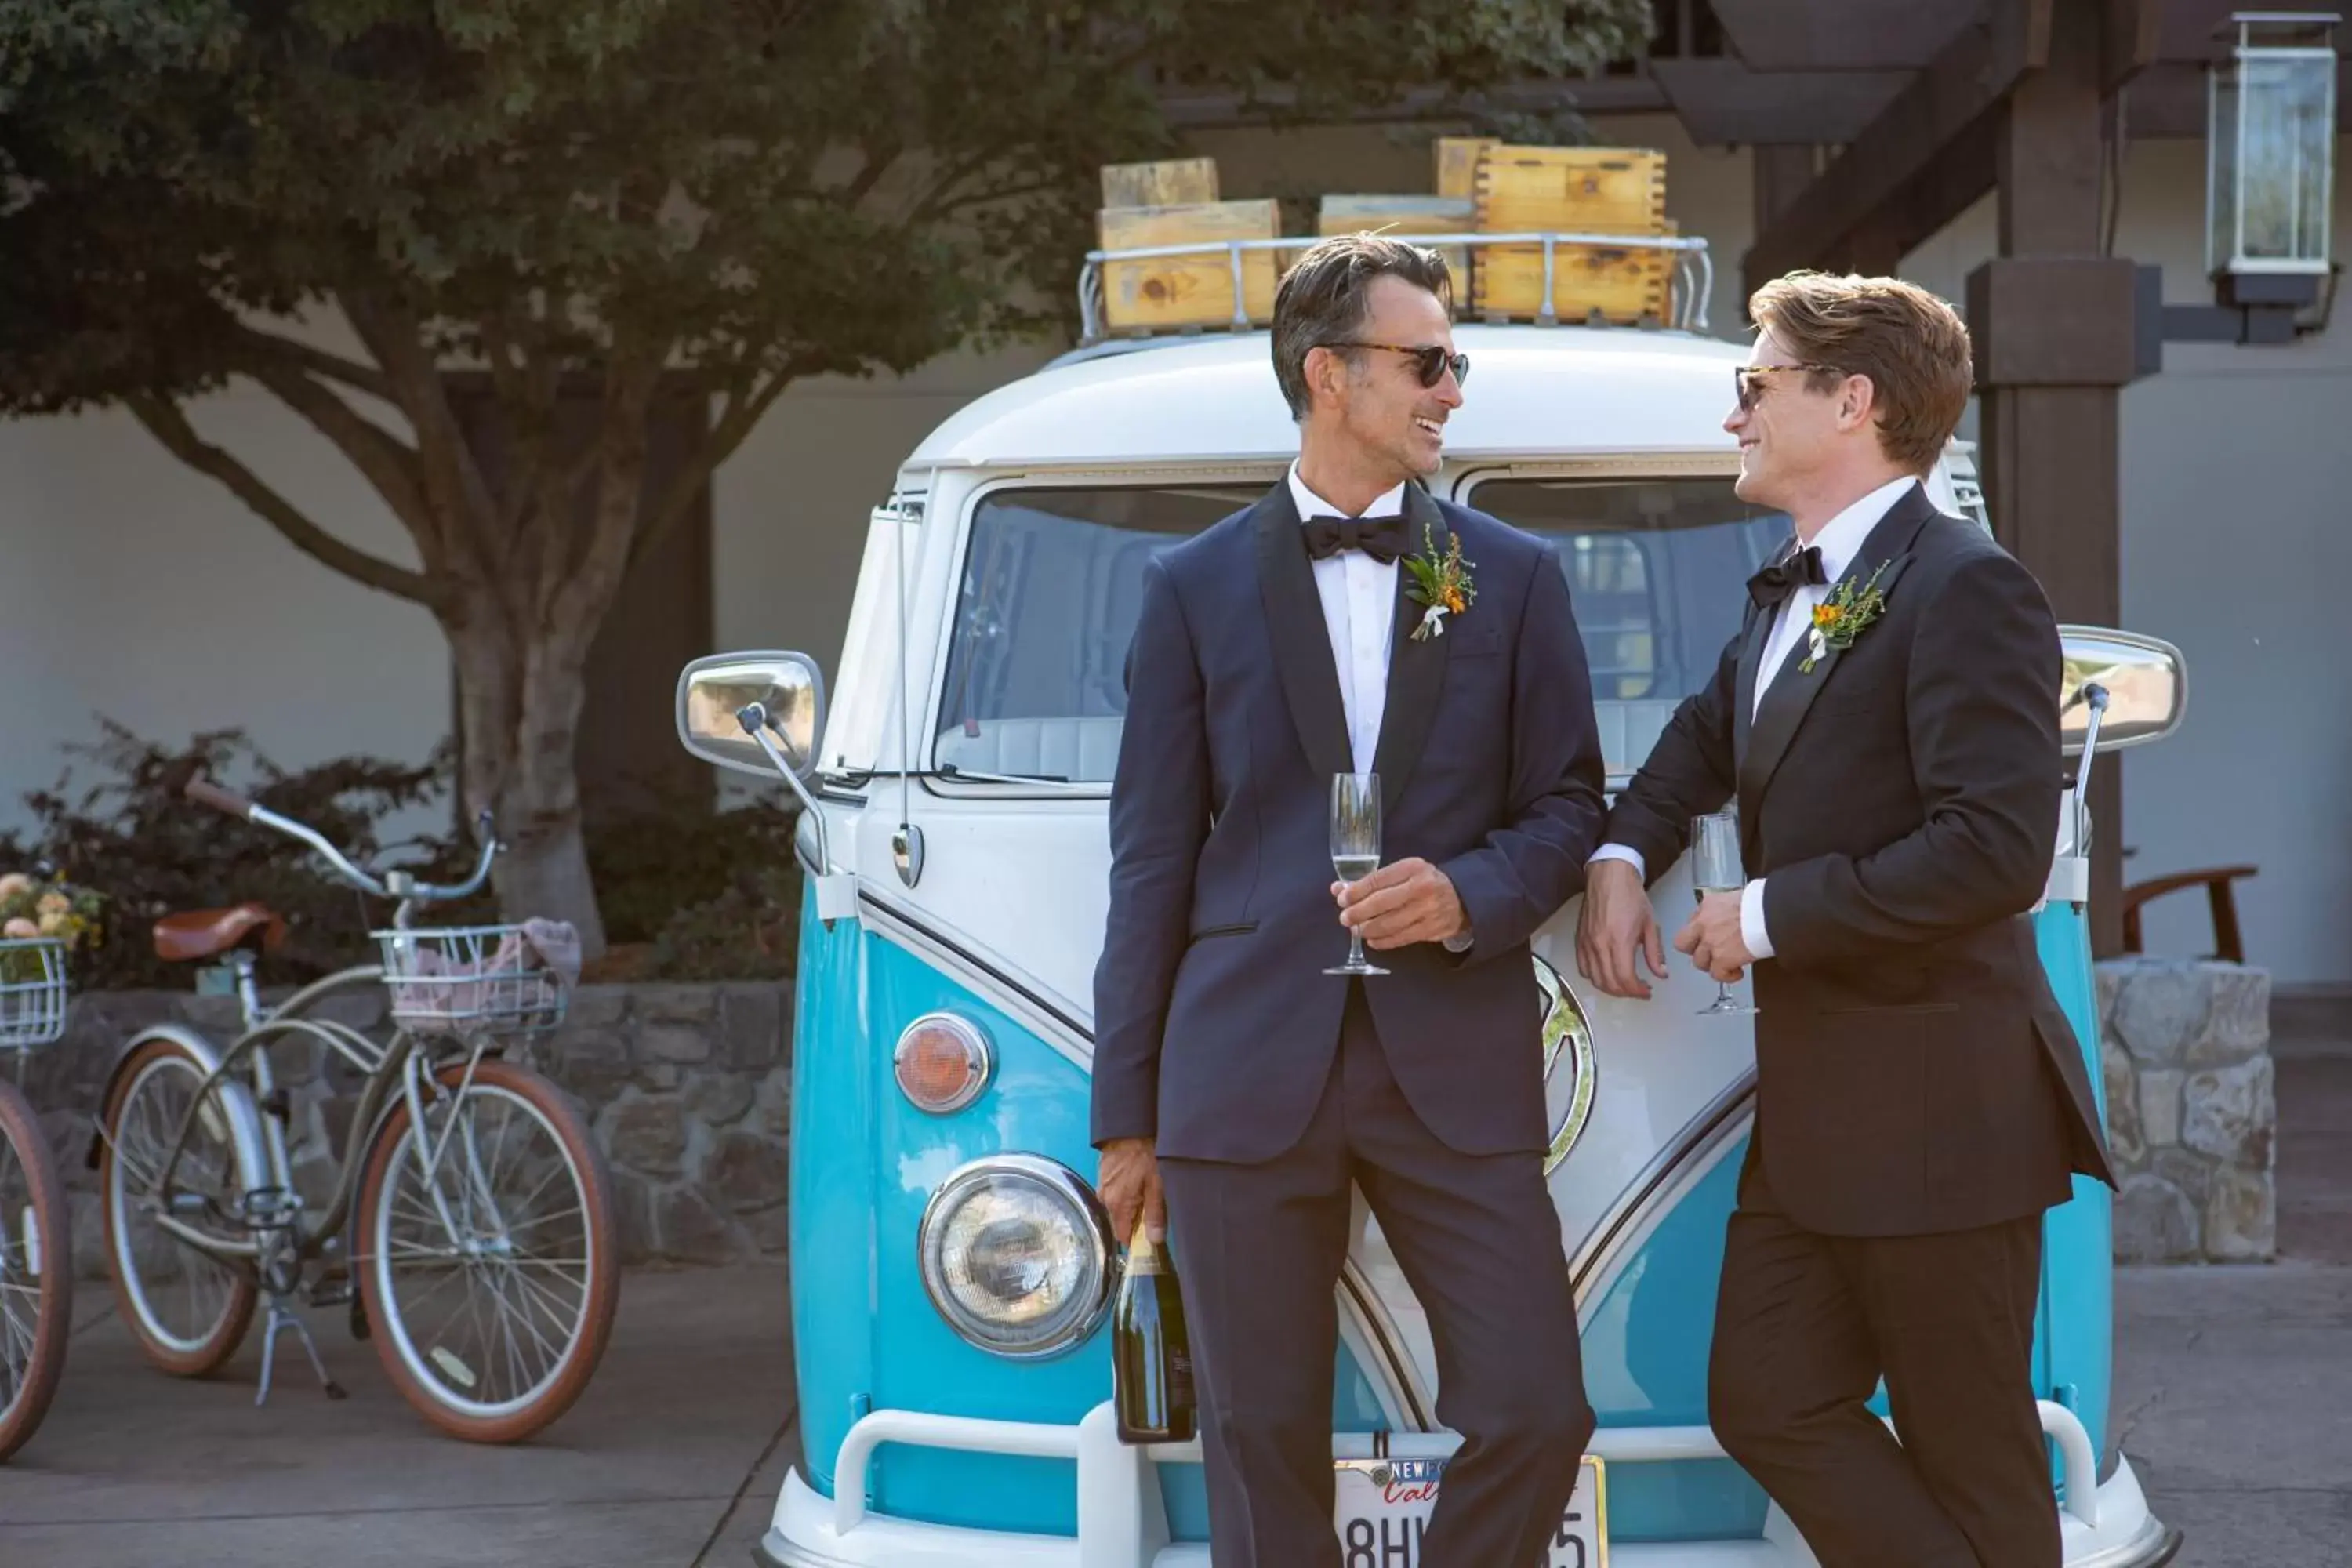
(953, 1266)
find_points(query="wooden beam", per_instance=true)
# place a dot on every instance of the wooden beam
(1969, 78)
(2131, 35)
(1842, 34)
(2059, 325)
(1723, 103)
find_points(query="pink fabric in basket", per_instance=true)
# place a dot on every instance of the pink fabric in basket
(504, 983)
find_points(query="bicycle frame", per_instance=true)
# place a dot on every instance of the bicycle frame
(395, 1068)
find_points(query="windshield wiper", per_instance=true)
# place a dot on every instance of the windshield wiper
(973, 775)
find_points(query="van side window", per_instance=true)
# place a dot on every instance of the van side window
(1656, 571)
(1052, 580)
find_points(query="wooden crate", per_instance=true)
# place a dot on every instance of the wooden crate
(1188, 291)
(1583, 190)
(1457, 164)
(1405, 216)
(1170, 181)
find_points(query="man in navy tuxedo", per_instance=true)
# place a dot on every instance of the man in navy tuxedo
(1283, 646)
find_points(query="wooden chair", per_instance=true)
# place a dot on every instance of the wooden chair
(2229, 946)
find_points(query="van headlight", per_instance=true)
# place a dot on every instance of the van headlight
(1016, 1255)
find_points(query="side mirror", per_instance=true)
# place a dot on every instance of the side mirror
(713, 692)
(2146, 679)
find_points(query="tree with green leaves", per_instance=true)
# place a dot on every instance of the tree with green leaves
(342, 201)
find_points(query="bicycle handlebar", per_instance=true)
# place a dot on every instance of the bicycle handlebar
(206, 792)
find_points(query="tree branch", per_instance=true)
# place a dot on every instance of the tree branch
(387, 462)
(166, 422)
(301, 356)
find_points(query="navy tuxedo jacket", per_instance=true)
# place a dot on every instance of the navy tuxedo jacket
(1214, 1026)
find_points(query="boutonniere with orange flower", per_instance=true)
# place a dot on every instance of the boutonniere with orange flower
(1441, 584)
(1845, 616)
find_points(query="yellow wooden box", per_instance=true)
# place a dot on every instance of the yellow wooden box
(1405, 216)
(1581, 190)
(1457, 164)
(1169, 182)
(1188, 291)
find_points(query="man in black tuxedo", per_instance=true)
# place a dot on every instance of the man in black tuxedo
(1887, 723)
(1278, 648)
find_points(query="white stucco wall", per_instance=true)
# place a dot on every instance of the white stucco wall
(131, 587)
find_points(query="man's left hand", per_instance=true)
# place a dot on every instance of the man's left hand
(1408, 902)
(1712, 938)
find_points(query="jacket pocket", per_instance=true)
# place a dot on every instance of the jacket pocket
(1205, 932)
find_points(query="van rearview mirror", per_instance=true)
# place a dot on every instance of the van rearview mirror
(714, 691)
(2145, 681)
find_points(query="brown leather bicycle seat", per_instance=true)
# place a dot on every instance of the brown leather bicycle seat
(203, 933)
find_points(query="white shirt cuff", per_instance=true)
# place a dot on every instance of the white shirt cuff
(1751, 921)
(1620, 852)
(1460, 941)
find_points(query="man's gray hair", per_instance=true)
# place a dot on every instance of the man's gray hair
(1321, 300)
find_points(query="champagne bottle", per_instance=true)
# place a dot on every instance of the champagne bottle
(1151, 1362)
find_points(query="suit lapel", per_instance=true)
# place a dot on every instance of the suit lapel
(1302, 643)
(1791, 693)
(1416, 668)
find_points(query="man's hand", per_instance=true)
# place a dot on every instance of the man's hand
(1128, 1179)
(1401, 904)
(1713, 938)
(1616, 930)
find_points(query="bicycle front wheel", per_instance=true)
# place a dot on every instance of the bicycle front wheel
(490, 1281)
(36, 1272)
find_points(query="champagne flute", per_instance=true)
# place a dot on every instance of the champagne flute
(1355, 849)
(1716, 868)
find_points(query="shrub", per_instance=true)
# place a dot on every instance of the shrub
(697, 894)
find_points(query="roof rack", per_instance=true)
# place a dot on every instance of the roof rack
(1693, 277)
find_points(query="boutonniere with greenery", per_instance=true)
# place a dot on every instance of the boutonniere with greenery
(1441, 584)
(1845, 616)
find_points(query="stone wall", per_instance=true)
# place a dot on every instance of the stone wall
(2191, 1111)
(687, 1090)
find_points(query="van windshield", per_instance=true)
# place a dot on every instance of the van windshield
(1052, 579)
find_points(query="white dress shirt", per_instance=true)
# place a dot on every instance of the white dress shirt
(1840, 540)
(1358, 596)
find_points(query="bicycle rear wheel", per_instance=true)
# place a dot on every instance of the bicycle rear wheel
(187, 1308)
(36, 1272)
(491, 1289)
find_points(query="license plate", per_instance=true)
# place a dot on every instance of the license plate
(1383, 1508)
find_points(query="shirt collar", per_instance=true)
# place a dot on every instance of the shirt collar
(1388, 503)
(1842, 538)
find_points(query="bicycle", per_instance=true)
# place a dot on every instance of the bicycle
(35, 1229)
(458, 1165)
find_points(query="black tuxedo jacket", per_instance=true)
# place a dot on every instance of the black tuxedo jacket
(1214, 1026)
(1914, 1072)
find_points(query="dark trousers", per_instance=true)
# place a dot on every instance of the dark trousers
(1259, 1247)
(1806, 1325)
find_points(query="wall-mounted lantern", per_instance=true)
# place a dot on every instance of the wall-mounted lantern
(2270, 185)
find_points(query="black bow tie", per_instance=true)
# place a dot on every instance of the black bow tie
(1381, 538)
(1777, 582)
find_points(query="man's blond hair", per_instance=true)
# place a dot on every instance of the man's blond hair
(1913, 346)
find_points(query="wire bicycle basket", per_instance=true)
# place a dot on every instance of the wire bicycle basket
(495, 978)
(32, 991)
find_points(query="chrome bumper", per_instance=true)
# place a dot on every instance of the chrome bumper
(1123, 1524)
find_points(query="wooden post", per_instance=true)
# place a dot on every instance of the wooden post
(2052, 321)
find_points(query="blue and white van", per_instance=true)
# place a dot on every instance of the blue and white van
(952, 1268)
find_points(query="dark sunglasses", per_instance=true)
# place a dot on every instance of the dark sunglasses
(1429, 363)
(1748, 380)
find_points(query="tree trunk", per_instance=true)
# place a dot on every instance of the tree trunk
(518, 703)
